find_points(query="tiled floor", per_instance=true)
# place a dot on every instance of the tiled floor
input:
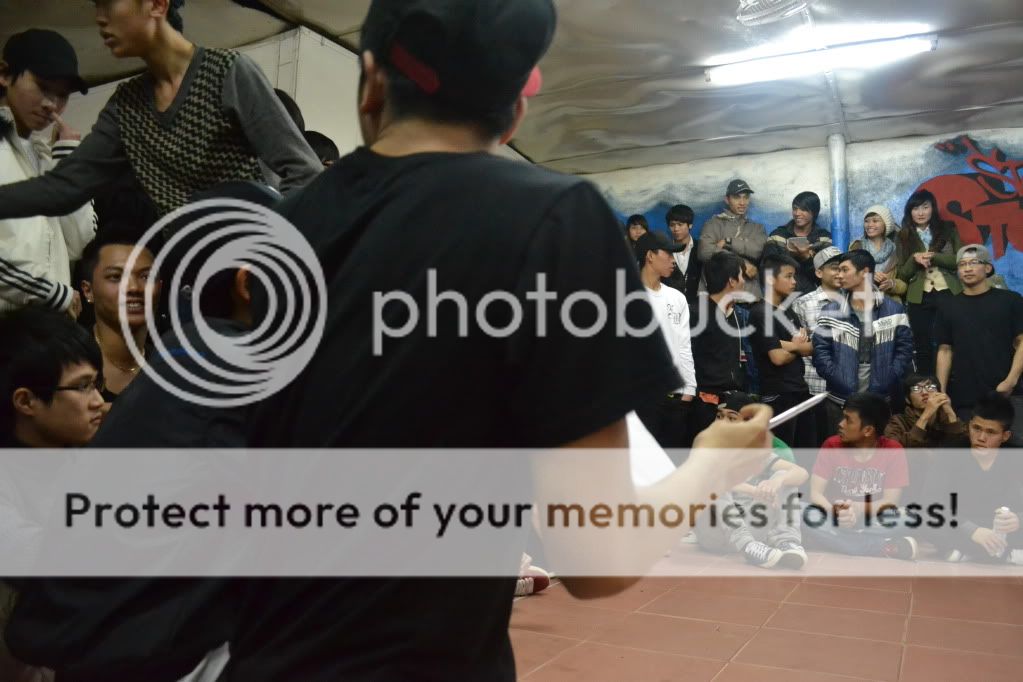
(790, 628)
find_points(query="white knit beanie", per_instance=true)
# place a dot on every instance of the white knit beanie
(886, 215)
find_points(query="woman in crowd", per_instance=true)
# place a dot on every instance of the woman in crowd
(878, 228)
(801, 238)
(635, 227)
(926, 251)
(195, 118)
(103, 268)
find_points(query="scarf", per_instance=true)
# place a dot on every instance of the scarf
(926, 236)
(881, 255)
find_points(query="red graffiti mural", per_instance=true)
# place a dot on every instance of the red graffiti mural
(987, 204)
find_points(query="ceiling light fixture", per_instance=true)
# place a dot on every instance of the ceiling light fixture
(864, 55)
(759, 12)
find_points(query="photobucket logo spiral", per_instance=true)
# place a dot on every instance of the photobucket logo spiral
(225, 367)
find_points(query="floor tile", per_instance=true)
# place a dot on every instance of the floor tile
(770, 588)
(680, 636)
(592, 662)
(643, 592)
(988, 638)
(821, 620)
(554, 617)
(889, 584)
(740, 672)
(850, 598)
(932, 665)
(990, 602)
(533, 650)
(717, 607)
(823, 653)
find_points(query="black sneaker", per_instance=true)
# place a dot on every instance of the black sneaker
(900, 548)
(759, 554)
(792, 555)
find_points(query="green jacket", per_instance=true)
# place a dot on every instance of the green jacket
(914, 275)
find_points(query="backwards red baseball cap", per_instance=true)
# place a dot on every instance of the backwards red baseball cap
(477, 54)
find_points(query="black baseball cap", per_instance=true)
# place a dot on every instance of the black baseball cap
(477, 54)
(654, 241)
(738, 187)
(46, 54)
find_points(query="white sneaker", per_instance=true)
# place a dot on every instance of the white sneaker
(955, 556)
(535, 580)
(792, 555)
(759, 554)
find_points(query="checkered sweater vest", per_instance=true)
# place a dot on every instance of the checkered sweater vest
(202, 147)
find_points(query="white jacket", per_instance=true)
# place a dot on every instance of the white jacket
(36, 253)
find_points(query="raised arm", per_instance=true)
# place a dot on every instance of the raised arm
(274, 137)
(98, 161)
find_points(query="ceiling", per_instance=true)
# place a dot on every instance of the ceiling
(624, 80)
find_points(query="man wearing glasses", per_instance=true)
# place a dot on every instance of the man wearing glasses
(51, 381)
(979, 338)
(928, 420)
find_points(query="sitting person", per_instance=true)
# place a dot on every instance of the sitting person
(928, 420)
(103, 270)
(857, 475)
(989, 487)
(770, 540)
(50, 375)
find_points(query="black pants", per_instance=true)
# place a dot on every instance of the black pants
(800, 432)
(921, 320)
(668, 422)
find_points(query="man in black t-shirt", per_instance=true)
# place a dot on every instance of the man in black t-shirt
(779, 344)
(428, 207)
(718, 330)
(980, 339)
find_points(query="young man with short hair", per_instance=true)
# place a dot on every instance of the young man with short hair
(50, 383)
(988, 482)
(38, 72)
(779, 344)
(980, 339)
(667, 420)
(863, 341)
(859, 474)
(51, 378)
(732, 230)
(103, 270)
(771, 538)
(324, 148)
(686, 275)
(721, 349)
(443, 85)
(928, 420)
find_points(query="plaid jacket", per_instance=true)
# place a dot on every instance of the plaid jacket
(808, 308)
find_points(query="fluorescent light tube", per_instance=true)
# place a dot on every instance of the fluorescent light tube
(856, 56)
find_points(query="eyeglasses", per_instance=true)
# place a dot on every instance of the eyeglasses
(85, 387)
(972, 263)
(920, 388)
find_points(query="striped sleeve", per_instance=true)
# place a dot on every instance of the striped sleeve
(18, 288)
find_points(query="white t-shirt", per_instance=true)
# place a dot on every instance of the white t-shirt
(672, 314)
